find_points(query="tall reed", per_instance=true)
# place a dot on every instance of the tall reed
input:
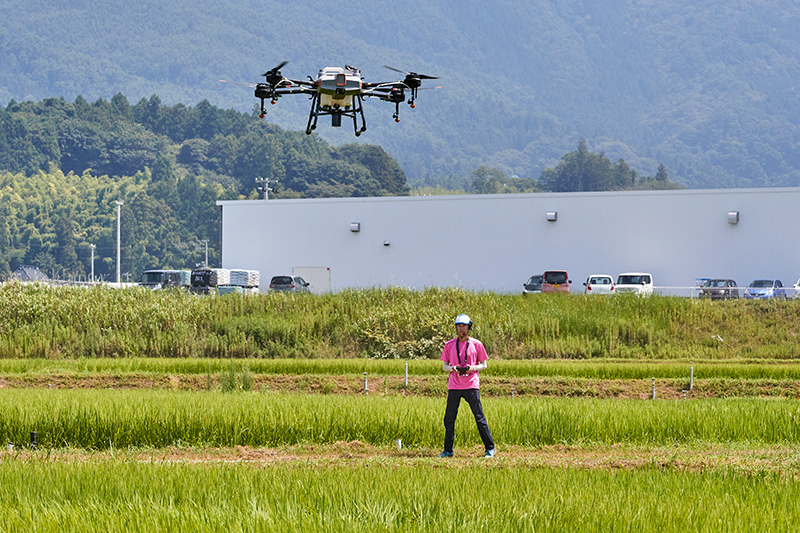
(38, 321)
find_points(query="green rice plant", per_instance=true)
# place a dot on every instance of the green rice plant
(102, 418)
(232, 379)
(246, 379)
(601, 369)
(98, 495)
(227, 379)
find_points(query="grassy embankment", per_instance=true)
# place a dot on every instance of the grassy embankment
(63, 323)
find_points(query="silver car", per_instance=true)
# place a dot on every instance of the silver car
(288, 284)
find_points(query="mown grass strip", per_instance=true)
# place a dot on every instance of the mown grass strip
(102, 418)
(114, 497)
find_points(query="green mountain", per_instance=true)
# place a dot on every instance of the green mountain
(711, 89)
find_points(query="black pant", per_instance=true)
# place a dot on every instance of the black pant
(473, 398)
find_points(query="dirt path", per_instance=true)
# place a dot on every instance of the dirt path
(778, 459)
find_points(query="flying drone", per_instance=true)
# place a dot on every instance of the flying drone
(339, 92)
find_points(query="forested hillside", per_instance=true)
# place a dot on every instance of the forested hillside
(232, 148)
(63, 165)
(710, 89)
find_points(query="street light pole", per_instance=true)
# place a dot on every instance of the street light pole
(119, 205)
(263, 185)
(92, 246)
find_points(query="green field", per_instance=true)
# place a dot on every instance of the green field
(99, 419)
(156, 461)
(100, 495)
(248, 414)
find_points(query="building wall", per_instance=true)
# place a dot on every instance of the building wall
(495, 242)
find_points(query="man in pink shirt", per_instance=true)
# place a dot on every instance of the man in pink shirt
(463, 358)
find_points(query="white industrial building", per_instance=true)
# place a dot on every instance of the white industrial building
(496, 242)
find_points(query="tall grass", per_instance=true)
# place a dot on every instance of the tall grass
(38, 321)
(109, 497)
(102, 418)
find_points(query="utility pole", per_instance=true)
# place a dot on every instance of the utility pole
(263, 185)
(205, 242)
(119, 205)
(92, 246)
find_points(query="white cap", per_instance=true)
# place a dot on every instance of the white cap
(463, 319)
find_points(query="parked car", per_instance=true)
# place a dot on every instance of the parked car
(163, 279)
(719, 289)
(637, 282)
(599, 284)
(760, 289)
(796, 290)
(556, 281)
(288, 284)
(533, 285)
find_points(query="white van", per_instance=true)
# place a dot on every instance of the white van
(637, 282)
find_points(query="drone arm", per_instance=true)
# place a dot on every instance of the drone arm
(300, 82)
(385, 93)
(292, 90)
(375, 93)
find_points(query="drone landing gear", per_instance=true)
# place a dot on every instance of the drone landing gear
(336, 115)
(359, 110)
(313, 115)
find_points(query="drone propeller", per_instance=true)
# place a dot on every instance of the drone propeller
(412, 81)
(274, 76)
(267, 90)
(246, 84)
(412, 77)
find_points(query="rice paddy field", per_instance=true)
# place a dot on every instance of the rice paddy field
(167, 412)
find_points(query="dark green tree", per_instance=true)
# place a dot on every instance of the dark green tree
(385, 170)
(66, 256)
(661, 175)
(164, 183)
(623, 177)
(487, 180)
(493, 181)
(583, 170)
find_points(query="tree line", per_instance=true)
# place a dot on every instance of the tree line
(224, 146)
(577, 171)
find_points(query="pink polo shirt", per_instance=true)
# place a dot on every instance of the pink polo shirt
(475, 355)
